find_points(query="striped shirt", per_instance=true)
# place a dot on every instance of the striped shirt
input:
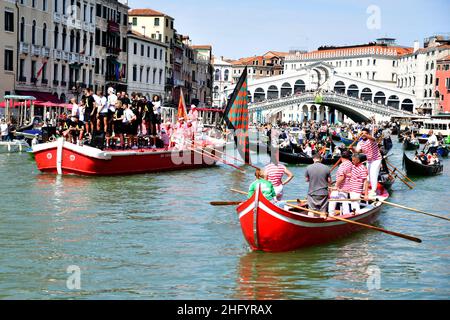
(275, 173)
(370, 149)
(359, 175)
(344, 169)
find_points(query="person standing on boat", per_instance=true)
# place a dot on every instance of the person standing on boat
(358, 181)
(267, 188)
(319, 179)
(275, 172)
(369, 146)
(4, 130)
(342, 188)
(432, 142)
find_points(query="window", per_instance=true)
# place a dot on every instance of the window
(97, 37)
(156, 22)
(160, 76)
(33, 69)
(125, 19)
(55, 37)
(21, 67)
(33, 3)
(148, 75)
(33, 33)
(97, 66)
(134, 21)
(160, 54)
(44, 5)
(134, 73)
(155, 53)
(140, 74)
(98, 10)
(63, 39)
(142, 50)
(9, 21)
(135, 48)
(91, 14)
(22, 29)
(44, 35)
(124, 44)
(154, 76)
(55, 5)
(9, 60)
(63, 73)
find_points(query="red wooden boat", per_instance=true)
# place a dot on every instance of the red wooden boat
(266, 227)
(67, 158)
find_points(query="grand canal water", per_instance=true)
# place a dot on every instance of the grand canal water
(156, 237)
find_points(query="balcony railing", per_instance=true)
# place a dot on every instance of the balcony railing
(74, 58)
(46, 52)
(57, 54)
(57, 17)
(113, 51)
(35, 50)
(65, 56)
(24, 48)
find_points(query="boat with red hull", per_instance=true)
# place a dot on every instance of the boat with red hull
(267, 227)
(62, 157)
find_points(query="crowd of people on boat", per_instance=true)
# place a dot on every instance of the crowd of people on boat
(122, 121)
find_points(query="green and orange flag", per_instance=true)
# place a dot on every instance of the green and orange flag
(236, 116)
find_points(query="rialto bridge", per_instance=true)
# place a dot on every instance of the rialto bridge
(318, 92)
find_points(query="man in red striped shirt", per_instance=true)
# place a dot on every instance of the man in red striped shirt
(358, 181)
(369, 146)
(275, 172)
(342, 187)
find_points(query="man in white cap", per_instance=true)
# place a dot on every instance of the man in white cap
(193, 117)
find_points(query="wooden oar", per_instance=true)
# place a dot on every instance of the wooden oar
(225, 203)
(393, 233)
(392, 172)
(400, 172)
(414, 210)
(211, 156)
(349, 147)
(238, 191)
(236, 159)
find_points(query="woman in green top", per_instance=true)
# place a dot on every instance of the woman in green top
(267, 188)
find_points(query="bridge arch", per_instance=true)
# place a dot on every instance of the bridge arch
(299, 86)
(407, 105)
(353, 91)
(339, 87)
(272, 92)
(366, 94)
(286, 89)
(259, 95)
(394, 102)
(380, 97)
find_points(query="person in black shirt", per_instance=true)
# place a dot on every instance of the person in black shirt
(75, 129)
(89, 114)
(119, 128)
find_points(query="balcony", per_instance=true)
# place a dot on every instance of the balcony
(91, 28)
(65, 56)
(72, 23)
(74, 58)
(24, 48)
(55, 83)
(35, 50)
(113, 51)
(57, 17)
(63, 84)
(46, 52)
(22, 79)
(57, 54)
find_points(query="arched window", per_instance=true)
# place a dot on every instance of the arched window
(33, 32)
(44, 35)
(77, 41)
(299, 86)
(393, 101)
(216, 92)
(286, 89)
(426, 79)
(425, 93)
(226, 75)
(259, 95)
(380, 97)
(353, 91)
(366, 94)
(72, 41)
(217, 75)
(91, 45)
(339, 87)
(63, 39)
(55, 37)
(407, 105)
(431, 79)
(272, 92)
(22, 29)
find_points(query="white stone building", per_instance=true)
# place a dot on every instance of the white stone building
(146, 61)
(222, 80)
(417, 70)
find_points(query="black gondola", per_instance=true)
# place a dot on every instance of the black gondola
(417, 169)
(408, 145)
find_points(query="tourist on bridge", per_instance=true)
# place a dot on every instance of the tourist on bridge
(319, 179)
(369, 146)
(275, 172)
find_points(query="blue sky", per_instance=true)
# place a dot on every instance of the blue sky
(239, 28)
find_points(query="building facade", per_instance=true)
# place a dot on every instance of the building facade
(442, 92)
(223, 79)
(159, 27)
(147, 66)
(268, 65)
(204, 74)
(8, 34)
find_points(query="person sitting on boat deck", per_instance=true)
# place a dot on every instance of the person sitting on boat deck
(432, 142)
(423, 158)
(266, 186)
(433, 159)
(358, 183)
(369, 146)
(275, 172)
(342, 187)
(319, 179)
(417, 159)
(308, 150)
(75, 130)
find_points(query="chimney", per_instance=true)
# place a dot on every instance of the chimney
(416, 45)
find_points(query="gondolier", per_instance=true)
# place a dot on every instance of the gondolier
(319, 179)
(342, 187)
(275, 172)
(369, 146)
(432, 142)
(358, 181)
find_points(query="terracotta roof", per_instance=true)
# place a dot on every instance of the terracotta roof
(276, 53)
(343, 51)
(140, 35)
(146, 13)
(425, 50)
(206, 47)
(447, 58)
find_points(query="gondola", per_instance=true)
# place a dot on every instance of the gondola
(417, 169)
(269, 228)
(408, 145)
